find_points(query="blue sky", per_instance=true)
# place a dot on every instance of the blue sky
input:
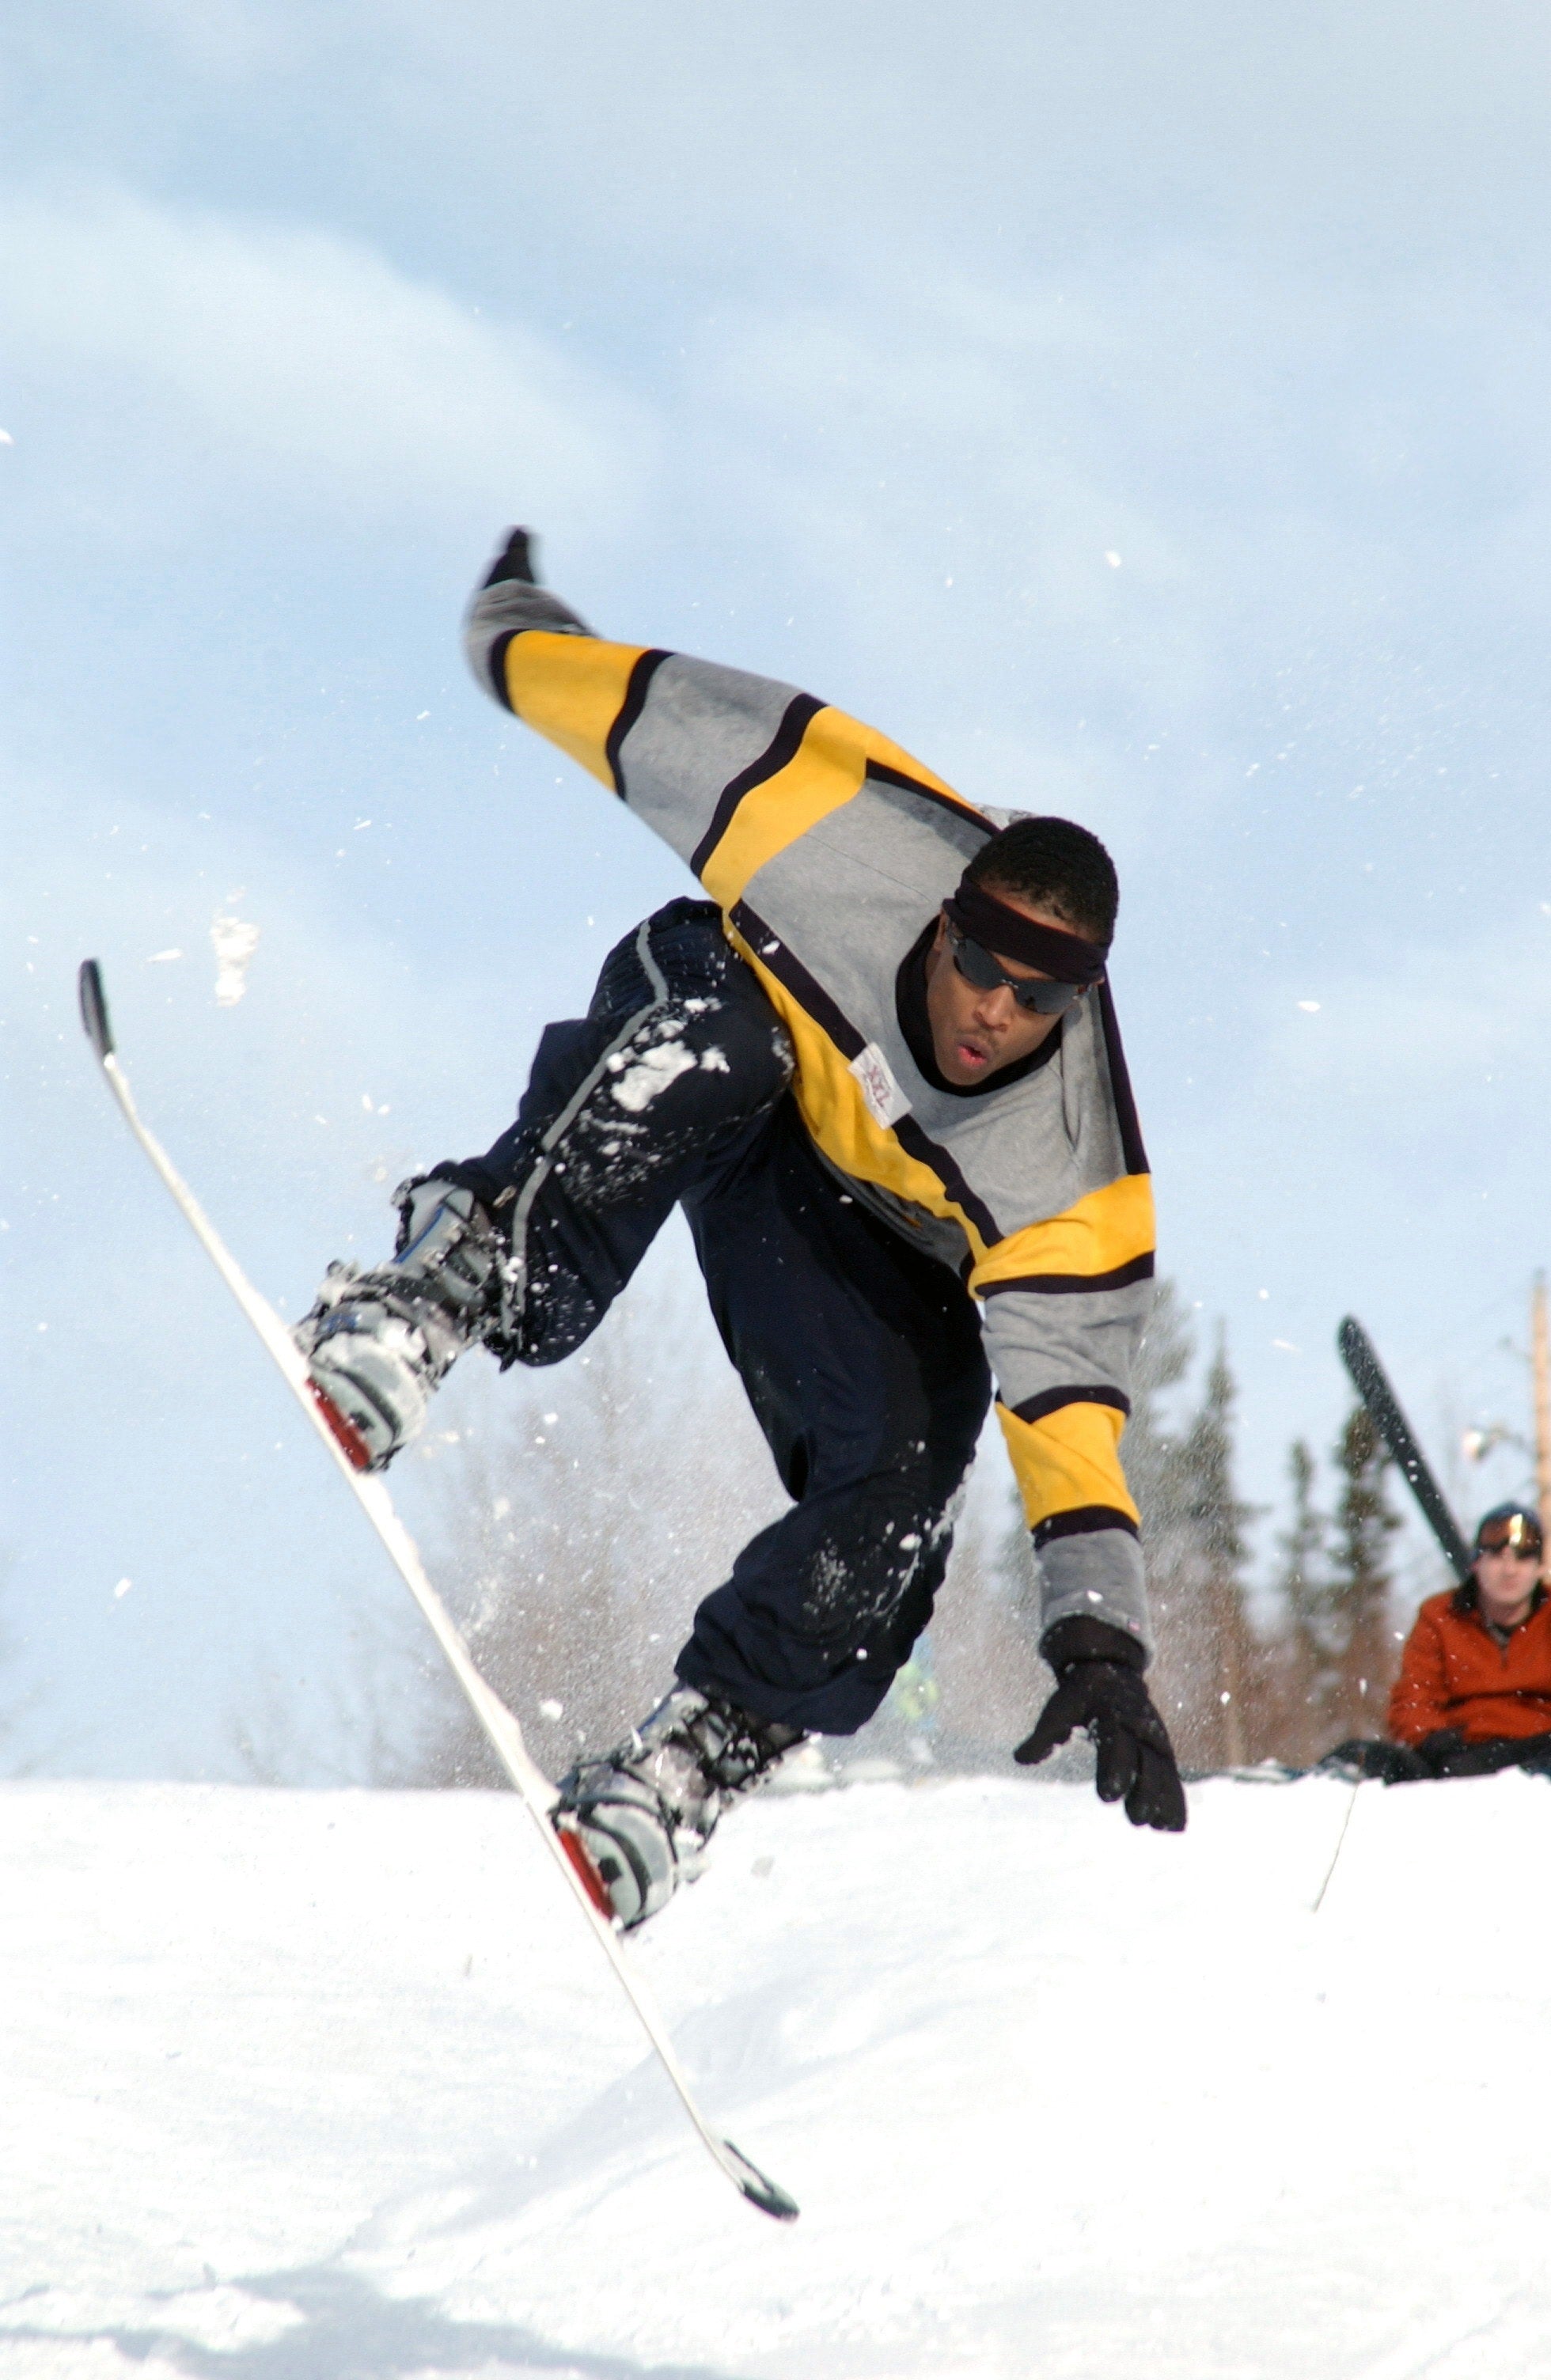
(1138, 413)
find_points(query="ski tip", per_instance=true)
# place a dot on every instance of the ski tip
(757, 2187)
(94, 1009)
(1356, 1349)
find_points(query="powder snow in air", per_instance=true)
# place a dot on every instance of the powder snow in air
(307, 2085)
(234, 944)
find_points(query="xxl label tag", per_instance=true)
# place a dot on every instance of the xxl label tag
(886, 1102)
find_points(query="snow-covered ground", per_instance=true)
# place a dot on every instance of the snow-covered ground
(313, 2086)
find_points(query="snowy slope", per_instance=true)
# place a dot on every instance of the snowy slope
(306, 2086)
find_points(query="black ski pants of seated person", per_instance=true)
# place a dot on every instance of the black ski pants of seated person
(860, 1356)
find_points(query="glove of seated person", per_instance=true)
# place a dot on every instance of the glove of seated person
(1098, 1686)
(1365, 1756)
(1445, 1752)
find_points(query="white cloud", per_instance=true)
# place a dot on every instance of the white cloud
(199, 363)
(226, 40)
(808, 132)
(956, 464)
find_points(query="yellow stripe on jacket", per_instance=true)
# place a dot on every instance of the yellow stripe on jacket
(1067, 1461)
(572, 689)
(838, 1118)
(825, 772)
(1108, 1230)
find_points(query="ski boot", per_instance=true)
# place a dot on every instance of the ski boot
(378, 1343)
(643, 1816)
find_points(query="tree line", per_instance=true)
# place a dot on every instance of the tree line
(1310, 1660)
(587, 1514)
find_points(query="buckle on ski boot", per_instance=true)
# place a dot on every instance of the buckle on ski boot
(378, 1343)
(644, 1814)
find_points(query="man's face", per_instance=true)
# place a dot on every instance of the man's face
(975, 1033)
(1504, 1581)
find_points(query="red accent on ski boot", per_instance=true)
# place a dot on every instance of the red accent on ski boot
(592, 1883)
(353, 1446)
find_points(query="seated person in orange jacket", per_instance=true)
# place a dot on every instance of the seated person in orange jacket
(1474, 1688)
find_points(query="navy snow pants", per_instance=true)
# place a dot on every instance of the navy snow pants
(860, 1356)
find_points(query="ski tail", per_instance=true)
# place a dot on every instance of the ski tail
(1368, 1378)
(757, 2187)
(535, 1790)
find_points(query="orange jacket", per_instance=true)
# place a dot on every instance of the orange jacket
(1454, 1673)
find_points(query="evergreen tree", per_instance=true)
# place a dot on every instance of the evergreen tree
(1225, 1664)
(1359, 1637)
(1300, 1657)
(1206, 1679)
(1150, 1449)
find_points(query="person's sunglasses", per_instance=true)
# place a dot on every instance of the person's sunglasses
(986, 973)
(1510, 1537)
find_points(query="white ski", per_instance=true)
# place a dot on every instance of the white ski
(537, 1793)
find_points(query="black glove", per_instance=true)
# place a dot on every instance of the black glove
(515, 560)
(1447, 1753)
(1362, 1757)
(1098, 1686)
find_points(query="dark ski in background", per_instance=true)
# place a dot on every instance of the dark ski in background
(1369, 1379)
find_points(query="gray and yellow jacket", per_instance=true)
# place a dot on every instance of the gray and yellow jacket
(830, 851)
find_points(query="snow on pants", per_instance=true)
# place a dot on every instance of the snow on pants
(861, 1357)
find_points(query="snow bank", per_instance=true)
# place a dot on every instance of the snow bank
(304, 2086)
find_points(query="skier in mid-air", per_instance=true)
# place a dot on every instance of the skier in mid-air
(880, 1071)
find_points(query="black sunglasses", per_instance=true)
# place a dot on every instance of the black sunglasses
(986, 973)
(1510, 1537)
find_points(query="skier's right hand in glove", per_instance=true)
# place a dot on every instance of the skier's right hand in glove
(1099, 1688)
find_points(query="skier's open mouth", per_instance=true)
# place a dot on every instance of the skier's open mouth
(969, 1053)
